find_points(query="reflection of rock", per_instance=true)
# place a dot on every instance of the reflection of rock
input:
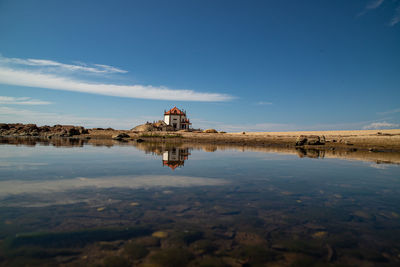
(251, 239)
(310, 153)
(179, 208)
(210, 148)
(320, 234)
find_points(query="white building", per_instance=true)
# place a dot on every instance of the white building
(177, 119)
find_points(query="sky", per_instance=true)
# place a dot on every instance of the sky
(232, 65)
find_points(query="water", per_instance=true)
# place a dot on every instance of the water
(74, 202)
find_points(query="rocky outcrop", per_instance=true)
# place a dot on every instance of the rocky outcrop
(120, 136)
(310, 140)
(19, 129)
(210, 131)
(151, 127)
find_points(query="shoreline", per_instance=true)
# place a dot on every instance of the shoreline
(366, 140)
(159, 146)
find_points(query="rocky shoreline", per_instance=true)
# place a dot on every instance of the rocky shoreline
(368, 140)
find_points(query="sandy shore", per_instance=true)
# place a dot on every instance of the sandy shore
(386, 140)
(368, 140)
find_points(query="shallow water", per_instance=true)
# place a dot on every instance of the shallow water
(113, 204)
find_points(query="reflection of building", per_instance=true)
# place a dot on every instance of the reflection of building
(176, 118)
(175, 157)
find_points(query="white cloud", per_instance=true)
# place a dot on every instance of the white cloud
(9, 100)
(374, 4)
(285, 127)
(397, 110)
(96, 68)
(42, 78)
(396, 18)
(258, 127)
(264, 103)
(380, 125)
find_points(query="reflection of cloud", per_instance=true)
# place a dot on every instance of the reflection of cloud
(133, 182)
(379, 166)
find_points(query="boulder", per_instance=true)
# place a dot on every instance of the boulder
(301, 140)
(120, 136)
(147, 127)
(313, 140)
(310, 140)
(210, 131)
(4, 126)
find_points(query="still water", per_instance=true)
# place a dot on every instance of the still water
(74, 203)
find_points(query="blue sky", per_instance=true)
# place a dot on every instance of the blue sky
(233, 65)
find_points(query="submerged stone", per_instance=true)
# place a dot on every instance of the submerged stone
(160, 234)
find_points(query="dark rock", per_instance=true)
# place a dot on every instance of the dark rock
(301, 140)
(4, 126)
(120, 136)
(310, 140)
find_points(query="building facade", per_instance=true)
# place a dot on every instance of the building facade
(177, 119)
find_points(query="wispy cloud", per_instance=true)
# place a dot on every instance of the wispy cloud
(396, 18)
(381, 125)
(257, 127)
(397, 110)
(9, 100)
(94, 68)
(285, 127)
(374, 4)
(264, 103)
(41, 78)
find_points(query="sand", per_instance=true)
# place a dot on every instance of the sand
(385, 140)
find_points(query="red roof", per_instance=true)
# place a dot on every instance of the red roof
(175, 111)
(172, 164)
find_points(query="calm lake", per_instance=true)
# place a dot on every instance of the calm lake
(75, 203)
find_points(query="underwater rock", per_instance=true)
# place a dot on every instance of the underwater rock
(160, 234)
